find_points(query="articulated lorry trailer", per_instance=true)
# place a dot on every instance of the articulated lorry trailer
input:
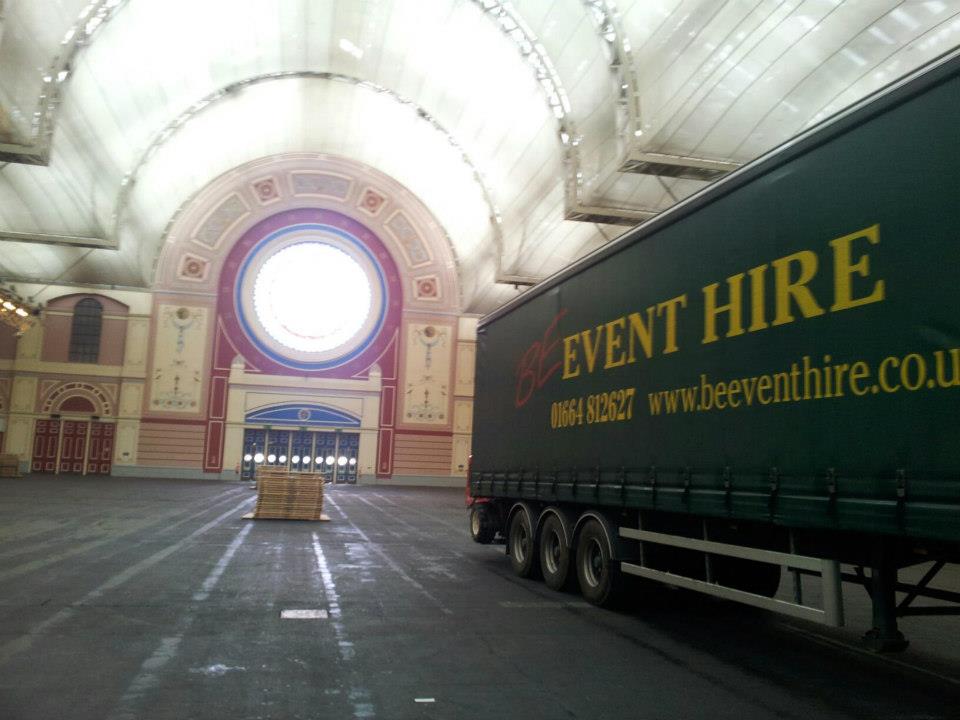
(765, 377)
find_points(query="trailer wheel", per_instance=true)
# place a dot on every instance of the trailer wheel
(482, 526)
(597, 572)
(554, 554)
(521, 545)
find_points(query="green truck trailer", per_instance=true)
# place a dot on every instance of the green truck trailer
(765, 376)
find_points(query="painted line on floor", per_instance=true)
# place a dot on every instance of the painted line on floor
(431, 565)
(26, 529)
(304, 614)
(359, 697)
(75, 550)
(390, 561)
(24, 642)
(214, 577)
(460, 529)
(149, 676)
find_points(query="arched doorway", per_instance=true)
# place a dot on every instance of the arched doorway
(73, 440)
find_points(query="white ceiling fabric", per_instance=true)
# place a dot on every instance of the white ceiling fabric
(442, 95)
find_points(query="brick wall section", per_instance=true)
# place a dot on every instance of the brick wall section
(415, 454)
(171, 445)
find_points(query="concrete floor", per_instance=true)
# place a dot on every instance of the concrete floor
(151, 599)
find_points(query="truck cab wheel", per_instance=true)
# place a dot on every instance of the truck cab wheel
(597, 572)
(554, 554)
(521, 545)
(482, 526)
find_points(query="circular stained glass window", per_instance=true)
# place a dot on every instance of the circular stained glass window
(311, 297)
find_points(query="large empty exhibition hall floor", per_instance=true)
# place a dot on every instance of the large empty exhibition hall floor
(126, 599)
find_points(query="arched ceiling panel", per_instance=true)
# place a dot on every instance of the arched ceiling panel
(325, 116)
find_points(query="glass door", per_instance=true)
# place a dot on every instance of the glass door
(278, 445)
(254, 443)
(347, 451)
(301, 450)
(325, 455)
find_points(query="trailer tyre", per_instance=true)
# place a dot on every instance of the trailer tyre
(521, 545)
(554, 554)
(482, 525)
(597, 572)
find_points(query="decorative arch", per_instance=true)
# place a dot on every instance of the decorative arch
(203, 234)
(72, 394)
(67, 303)
(302, 415)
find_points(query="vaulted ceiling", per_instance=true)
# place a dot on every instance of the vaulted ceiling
(533, 130)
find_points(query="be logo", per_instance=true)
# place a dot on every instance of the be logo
(538, 363)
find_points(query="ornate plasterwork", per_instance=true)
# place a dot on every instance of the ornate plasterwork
(203, 232)
(55, 393)
(179, 359)
(426, 395)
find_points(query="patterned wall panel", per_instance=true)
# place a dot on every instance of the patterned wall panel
(131, 399)
(23, 396)
(319, 184)
(415, 251)
(223, 217)
(138, 333)
(466, 362)
(426, 388)
(179, 357)
(463, 416)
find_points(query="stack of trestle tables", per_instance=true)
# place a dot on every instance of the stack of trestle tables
(288, 495)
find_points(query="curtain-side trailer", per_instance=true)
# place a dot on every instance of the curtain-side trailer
(765, 376)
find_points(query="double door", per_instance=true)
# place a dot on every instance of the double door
(72, 446)
(333, 454)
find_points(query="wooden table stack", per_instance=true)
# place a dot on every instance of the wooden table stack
(9, 466)
(289, 495)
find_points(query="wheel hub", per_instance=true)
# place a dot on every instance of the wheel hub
(593, 563)
(553, 553)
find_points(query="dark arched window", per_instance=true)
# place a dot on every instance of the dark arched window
(85, 333)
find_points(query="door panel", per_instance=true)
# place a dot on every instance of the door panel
(72, 446)
(100, 454)
(253, 442)
(45, 437)
(347, 453)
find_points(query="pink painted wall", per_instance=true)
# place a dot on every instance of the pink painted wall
(171, 444)
(56, 334)
(56, 337)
